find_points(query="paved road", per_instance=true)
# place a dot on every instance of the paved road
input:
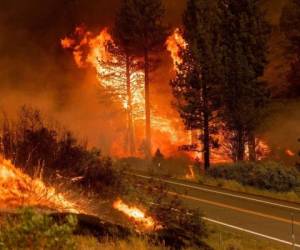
(256, 215)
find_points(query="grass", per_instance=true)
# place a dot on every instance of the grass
(235, 186)
(91, 243)
(222, 238)
(232, 185)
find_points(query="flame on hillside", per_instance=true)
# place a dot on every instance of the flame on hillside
(18, 190)
(136, 214)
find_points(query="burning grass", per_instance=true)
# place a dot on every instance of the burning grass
(18, 190)
(137, 215)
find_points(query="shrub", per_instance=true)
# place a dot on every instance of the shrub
(32, 230)
(264, 175)
(183, 228)
(99, 174)
(32, 144)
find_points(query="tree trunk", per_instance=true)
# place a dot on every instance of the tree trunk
(206, 141)
(147, 106)
(252, 146)
(240, 145)
(131, 139)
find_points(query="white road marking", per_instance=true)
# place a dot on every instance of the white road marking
(250, 232)
(219, 192)
(245, 230)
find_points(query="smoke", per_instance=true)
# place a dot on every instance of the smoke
(282, 130)
(36, 71)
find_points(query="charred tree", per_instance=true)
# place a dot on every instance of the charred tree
(141, 30)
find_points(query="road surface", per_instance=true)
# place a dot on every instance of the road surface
(263, 217)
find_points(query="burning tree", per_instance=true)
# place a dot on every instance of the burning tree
(118, 73)
(140, 29)
(196, 83)
(124, 70)
(125, 51)
(108, 58)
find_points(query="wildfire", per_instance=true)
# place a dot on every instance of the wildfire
(136, 214)
(91, 50)
(18, 189)
(175, 43)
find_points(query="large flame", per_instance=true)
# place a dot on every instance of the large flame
(136, 214)
(18, 190)
(168, 134)
(92, 51)
(175, 43)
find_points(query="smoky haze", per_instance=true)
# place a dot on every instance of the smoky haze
(36, 71)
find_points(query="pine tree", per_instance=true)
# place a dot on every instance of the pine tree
(245, 35)
(196, 84)
(141, 31)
